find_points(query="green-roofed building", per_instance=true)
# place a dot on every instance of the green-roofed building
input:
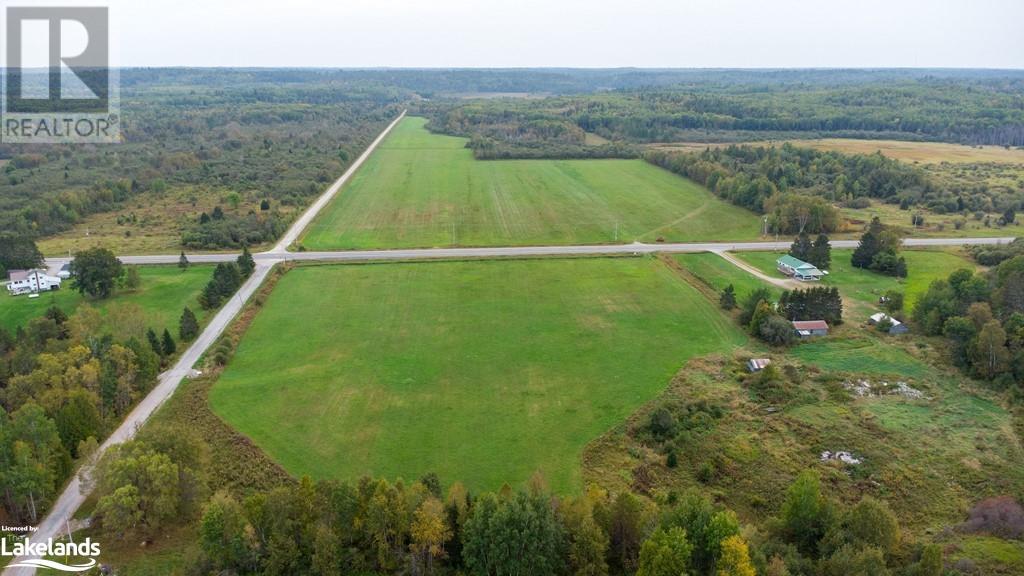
(797, 268)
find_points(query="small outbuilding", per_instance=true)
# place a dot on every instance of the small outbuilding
(798, 269)
(895, 326)
(810, 328)
(758, 364)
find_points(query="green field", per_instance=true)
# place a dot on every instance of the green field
(165, 290)
(420, 190)
(482, 372)
(923, 266)
(863, 355)
(718, 273)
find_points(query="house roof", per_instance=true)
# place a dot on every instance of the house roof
(879, 316)
(788, 260)
(810, 325)
(805, 268)
(759, 363)
(17, 275)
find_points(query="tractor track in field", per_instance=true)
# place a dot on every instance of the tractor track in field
(75, 492)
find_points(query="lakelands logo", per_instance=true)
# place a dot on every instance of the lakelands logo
(33, 554)
(59, 85)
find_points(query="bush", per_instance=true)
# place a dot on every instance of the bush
(706, 472)
(662, 424)
(1001, 516)
(777, 331)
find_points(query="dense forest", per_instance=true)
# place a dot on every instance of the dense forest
(982, 317)
(797, 186)
(736, 107)
(268, 140)
(67, 381)
(255, 142)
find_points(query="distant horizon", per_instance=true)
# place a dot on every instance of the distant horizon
(576, 34)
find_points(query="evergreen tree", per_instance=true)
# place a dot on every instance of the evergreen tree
(168, 345)
(183, 262)
(728, 298)
(821, 253)
(900, 270)
(802, 249)
(245, 262)
(226, 280)
(868, 246)
(188, 326)
(154, 342)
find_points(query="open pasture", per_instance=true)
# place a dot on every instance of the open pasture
(863, 286)
(482, 372)
(420, 189)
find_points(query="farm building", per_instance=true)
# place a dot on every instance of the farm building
(803, 271)
(31, 281)
(810, 328)
(896, 327)
(758, 364)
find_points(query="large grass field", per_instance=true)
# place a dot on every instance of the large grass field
(165, 290)
(420, 190)
(911, 152)
(482, 372)
(863, 286)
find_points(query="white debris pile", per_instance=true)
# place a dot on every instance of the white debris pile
(841, 456)
(866, 389)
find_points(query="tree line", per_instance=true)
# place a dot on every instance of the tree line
(375, 526)
(981, 315)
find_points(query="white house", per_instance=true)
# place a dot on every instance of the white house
(31, 281)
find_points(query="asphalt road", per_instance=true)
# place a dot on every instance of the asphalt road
(299, 225)
(76, 490)
(523, 251)
(75, 493)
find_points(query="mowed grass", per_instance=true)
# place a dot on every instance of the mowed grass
(864, 286)
(863, 355)
(164, 292)
(717, 272)
(422, 190)
(482, 372)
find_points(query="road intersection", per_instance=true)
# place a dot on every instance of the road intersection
(76, 491)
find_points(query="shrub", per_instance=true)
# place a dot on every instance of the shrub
(1000, 516)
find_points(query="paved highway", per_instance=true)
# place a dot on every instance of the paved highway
(75, 493)
(274, 256)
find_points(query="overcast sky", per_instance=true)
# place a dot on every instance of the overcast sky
(583, 33)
